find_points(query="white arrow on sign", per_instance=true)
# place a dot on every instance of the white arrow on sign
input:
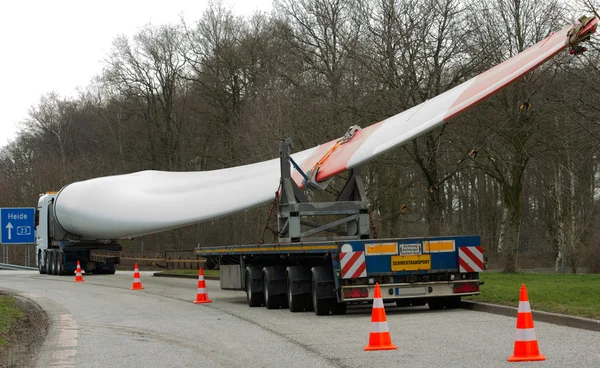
(9, 227)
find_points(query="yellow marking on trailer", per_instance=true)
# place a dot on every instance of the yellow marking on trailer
(270, 249)
(437, 246)
(411, 263)
(379, 249)
(309, 247)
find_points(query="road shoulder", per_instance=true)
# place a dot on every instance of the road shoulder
(538, 316)
(27, 335)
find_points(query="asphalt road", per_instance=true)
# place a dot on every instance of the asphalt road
(101, 323)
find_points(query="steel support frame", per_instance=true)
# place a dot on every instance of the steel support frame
(294, 205)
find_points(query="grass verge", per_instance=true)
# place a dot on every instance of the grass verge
(575, 295)
(9, 315)
(216, 273)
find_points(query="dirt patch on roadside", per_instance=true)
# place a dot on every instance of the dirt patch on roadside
(26, 337)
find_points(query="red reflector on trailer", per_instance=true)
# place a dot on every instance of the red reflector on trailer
(466, 287)
(355, 293)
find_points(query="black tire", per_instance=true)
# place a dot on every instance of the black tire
(111, 271)
(436, 303)
(58, 263)
(51, 263)
(47, 262)
(55, 263)
(255, 299)
(298, 289)
(41, 269)
(295, 302)
(271, 301)
(321, 306)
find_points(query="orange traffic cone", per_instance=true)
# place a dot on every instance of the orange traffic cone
(202, 295)
(137, 283)
(380, 338)
(78, 277)
(526, 345)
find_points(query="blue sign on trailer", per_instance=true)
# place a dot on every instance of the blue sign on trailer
(17, 225)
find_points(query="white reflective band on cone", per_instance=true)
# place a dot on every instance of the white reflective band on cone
(200, 278)
(378, 303)
(525, 334)
(136, 280)
(379, 327)
(201, 290)
(524, 307)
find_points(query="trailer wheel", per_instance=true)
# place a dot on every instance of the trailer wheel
(41, 268)
(255, 298)
(58, 259)
(271, 301)
(55, 261)
(321, 306)
(47, 262)
(50, 263)
(296, 302)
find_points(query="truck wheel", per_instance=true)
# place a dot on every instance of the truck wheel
(47, 262)
(55, 261)
(58, 259)
(41, 268)
(271, 301)
(274, 287)
(51, 263)
(255, 298)
(321, 306)
(295, 302)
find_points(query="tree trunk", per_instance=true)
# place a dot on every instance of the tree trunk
(502, 235)
(573, 223)
(512, 235)
(560, 233)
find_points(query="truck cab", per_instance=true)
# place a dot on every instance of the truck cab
(58, 251)
(42, 233)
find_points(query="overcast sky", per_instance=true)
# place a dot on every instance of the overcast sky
(59, 45)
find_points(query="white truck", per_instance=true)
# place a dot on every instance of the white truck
(58, 250)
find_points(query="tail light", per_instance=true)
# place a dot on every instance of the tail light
(355, 293)
(466, 287)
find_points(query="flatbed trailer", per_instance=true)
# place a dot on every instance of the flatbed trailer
(305, 272)
(326, 276)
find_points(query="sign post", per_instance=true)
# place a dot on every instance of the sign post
(17, 225)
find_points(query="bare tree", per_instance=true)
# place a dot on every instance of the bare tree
(147, 74)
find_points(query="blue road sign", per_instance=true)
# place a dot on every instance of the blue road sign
(17, 225)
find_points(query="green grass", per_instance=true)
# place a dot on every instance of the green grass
(216, 273)
(9, 315)
(576, 295)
